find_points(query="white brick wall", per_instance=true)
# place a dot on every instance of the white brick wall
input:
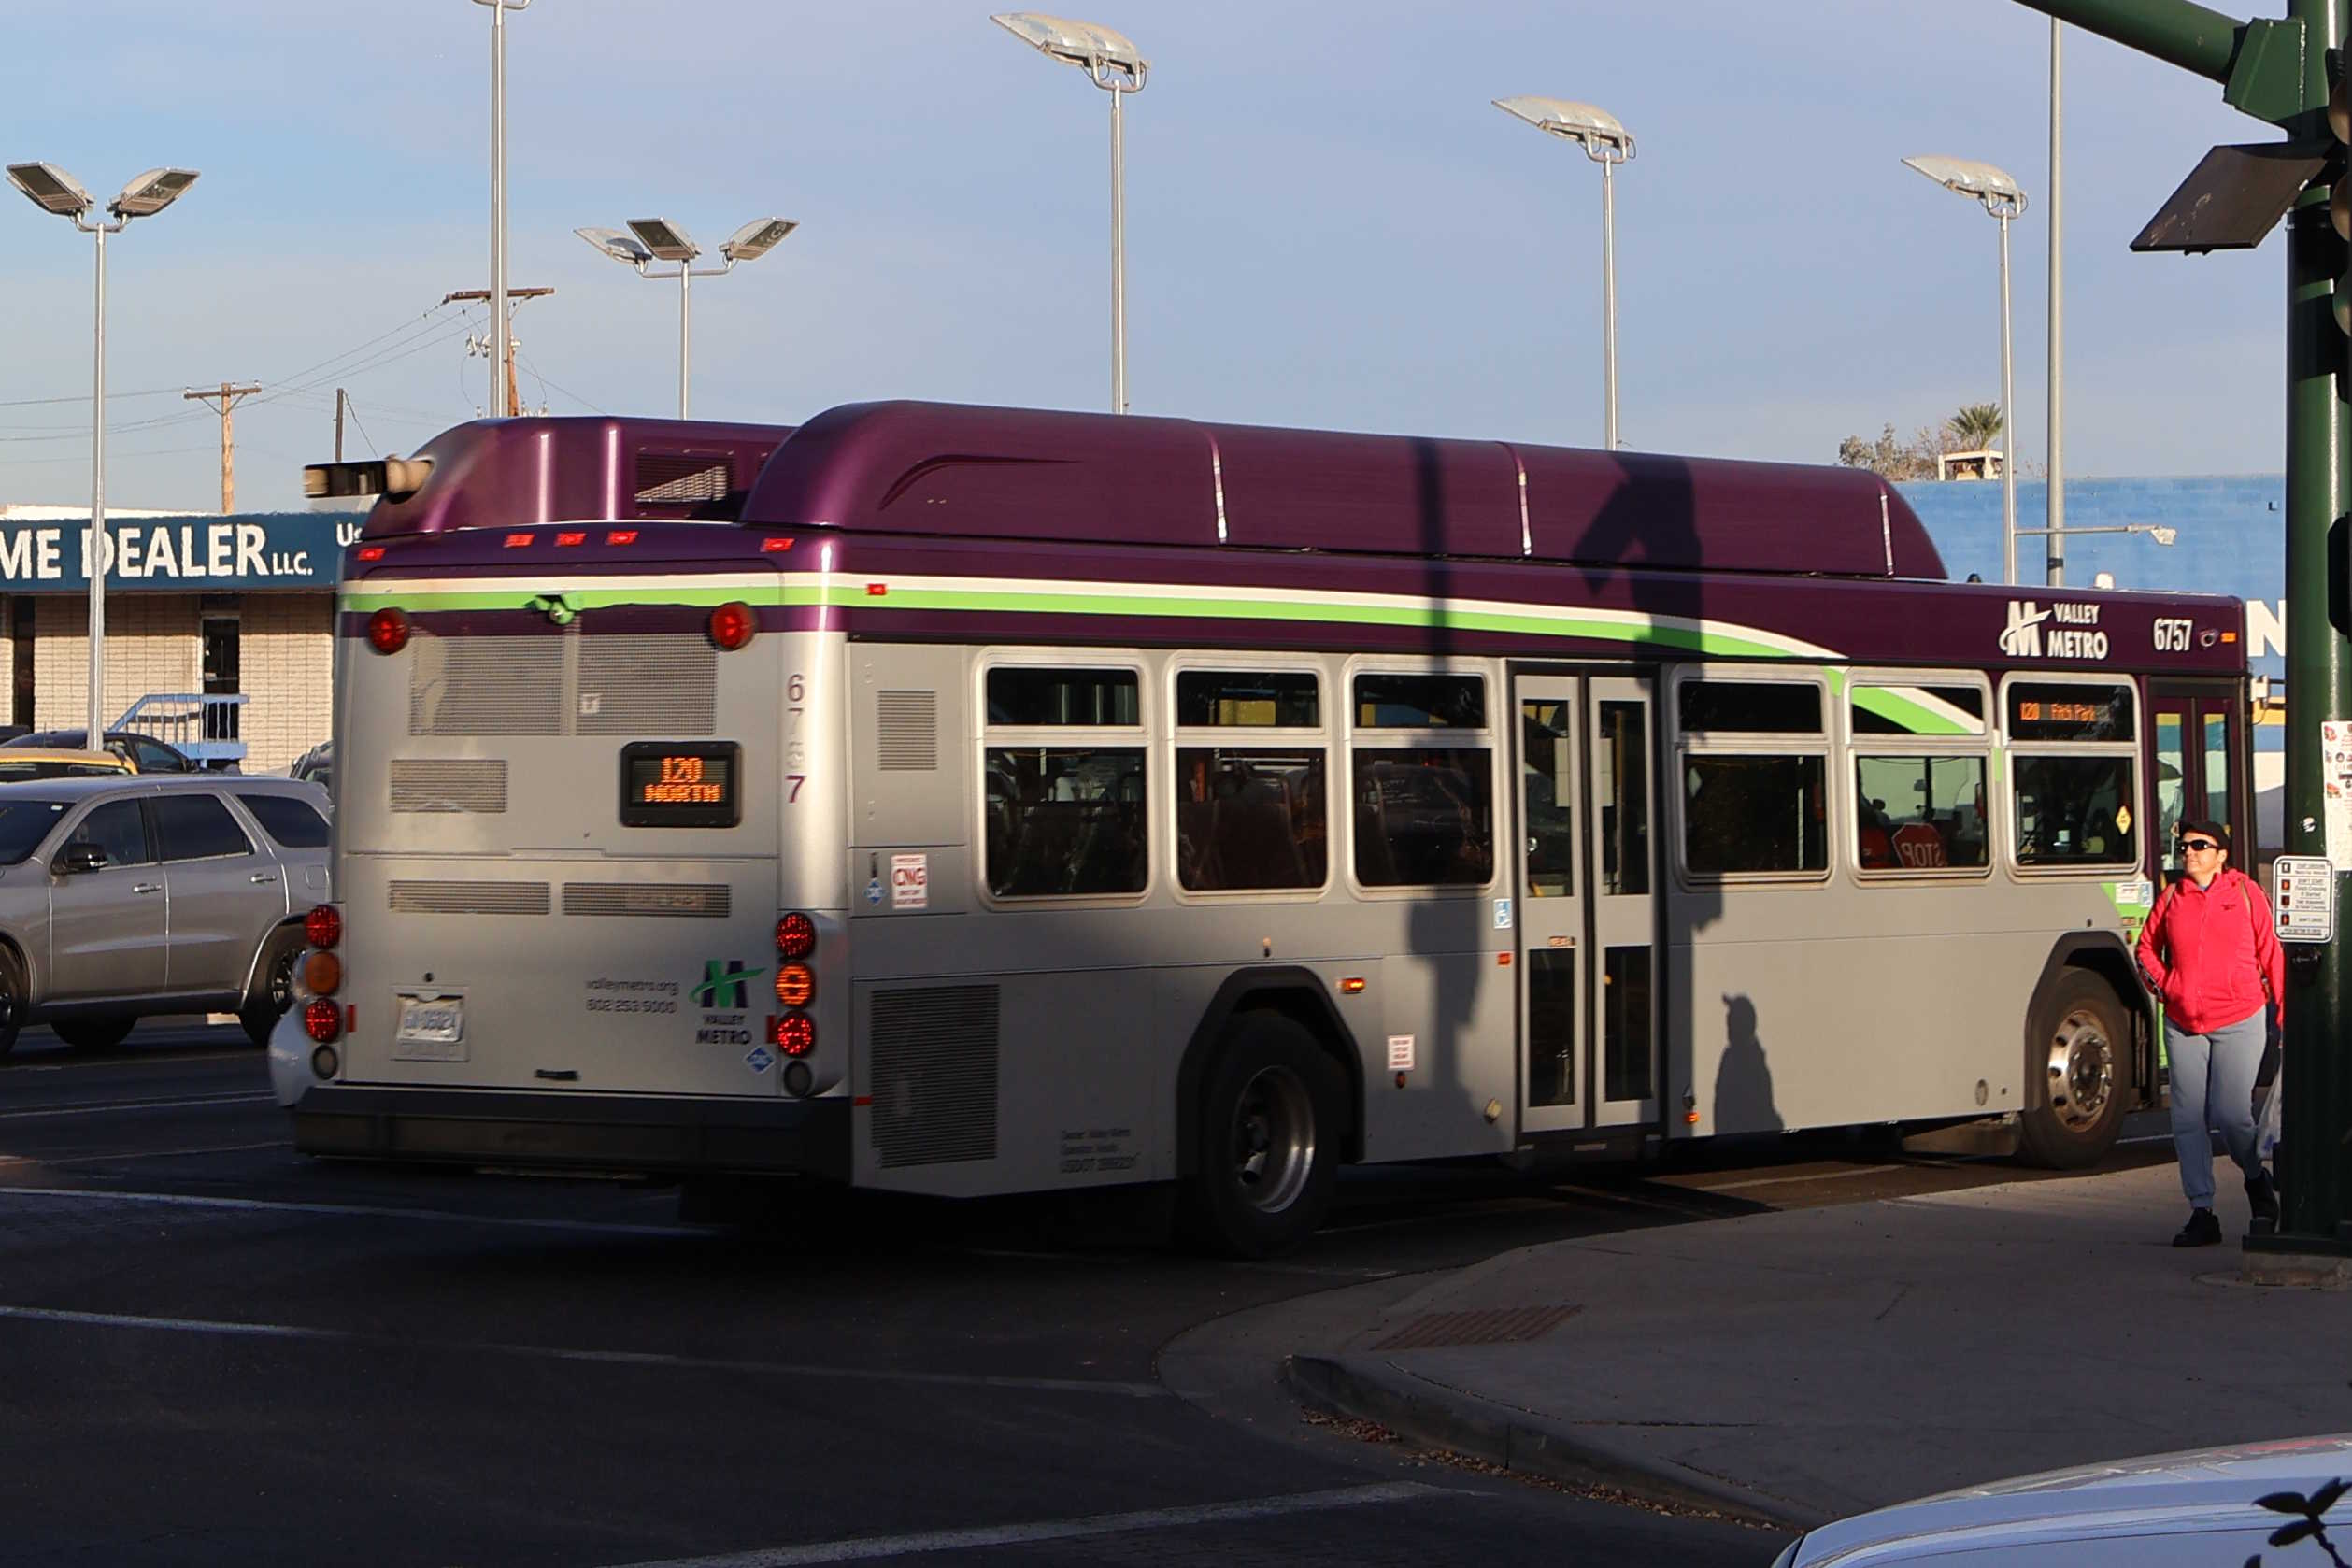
(154, 644)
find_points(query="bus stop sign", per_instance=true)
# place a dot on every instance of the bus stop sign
(2303, 897)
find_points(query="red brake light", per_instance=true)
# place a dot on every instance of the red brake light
(575, 536)
(322, 928)
(796, 936)
(621, 536)
(796, 1035)
(371, 552)
(388, 631)
(518, 541)
(322, 1019)
(732, 625)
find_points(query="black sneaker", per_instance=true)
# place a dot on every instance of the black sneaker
(2262, 1195)
(2203, 1229)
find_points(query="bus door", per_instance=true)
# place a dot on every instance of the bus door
(1587, 917)
(2194, 734)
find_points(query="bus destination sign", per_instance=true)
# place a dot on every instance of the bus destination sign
(681, 784)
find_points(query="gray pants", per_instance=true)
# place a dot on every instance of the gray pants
(2212, 1087)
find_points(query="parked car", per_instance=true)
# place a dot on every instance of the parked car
(133, 895)
(18, 764)
(149, 754)
(317, 766)
(2198, 1507)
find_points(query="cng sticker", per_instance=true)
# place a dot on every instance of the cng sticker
(910, 881)
(759, 1061)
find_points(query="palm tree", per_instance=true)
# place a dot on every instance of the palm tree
(1977, 426)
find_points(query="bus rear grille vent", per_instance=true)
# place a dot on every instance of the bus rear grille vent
(674, 481)
(639, 684)
(934, 1075)
(426, 784)
(907, 727)
(686, 900)
(486, 686)
(469, 898)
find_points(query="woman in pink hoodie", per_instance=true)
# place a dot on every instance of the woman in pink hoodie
(2210, 951)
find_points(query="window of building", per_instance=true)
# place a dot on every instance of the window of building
(295, 824)
(1424, 815)
(195, 827)
(1065, 819)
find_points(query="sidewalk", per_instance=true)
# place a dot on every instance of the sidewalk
(1800, 1366)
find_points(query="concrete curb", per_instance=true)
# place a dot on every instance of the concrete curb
(1438, 1416)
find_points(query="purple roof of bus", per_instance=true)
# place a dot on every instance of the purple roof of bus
(956, 471)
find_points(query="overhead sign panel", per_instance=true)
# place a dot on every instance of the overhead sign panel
(2234, 196)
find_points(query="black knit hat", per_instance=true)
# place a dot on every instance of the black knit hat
(2214, 830)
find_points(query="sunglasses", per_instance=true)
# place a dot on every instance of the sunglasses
(2198, 844)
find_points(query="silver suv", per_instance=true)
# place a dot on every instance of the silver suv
(127, 896)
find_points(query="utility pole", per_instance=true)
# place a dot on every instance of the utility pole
(2277, 70)
(228, 394)
(497, 337)
(339, 424)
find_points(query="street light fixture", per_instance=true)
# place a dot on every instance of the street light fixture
(1607, 143)
(1113, 63)
(502, 330)
(2003, 197)
(657, 239)
(54, 191)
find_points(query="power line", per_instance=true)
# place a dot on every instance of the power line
(83, 397)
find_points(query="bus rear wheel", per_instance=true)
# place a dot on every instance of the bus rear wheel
(2082, 1054)
(1268, 1150)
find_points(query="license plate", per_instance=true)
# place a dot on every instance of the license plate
(430, 1029)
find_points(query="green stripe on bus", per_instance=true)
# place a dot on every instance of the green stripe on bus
(1045, 602)
(1896, 708)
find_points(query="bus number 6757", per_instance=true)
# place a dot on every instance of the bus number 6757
(2172, 633)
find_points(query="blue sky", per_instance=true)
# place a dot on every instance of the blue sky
(1328, 224)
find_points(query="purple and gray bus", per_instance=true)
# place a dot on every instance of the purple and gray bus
(965, 801)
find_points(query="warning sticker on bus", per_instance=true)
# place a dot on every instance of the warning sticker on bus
(681, 784)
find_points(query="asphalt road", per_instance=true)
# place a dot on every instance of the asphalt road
(213, 1350)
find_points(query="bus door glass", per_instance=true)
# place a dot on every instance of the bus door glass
(1587, 921)
(2191, 745)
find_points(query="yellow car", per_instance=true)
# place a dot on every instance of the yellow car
(20, 764)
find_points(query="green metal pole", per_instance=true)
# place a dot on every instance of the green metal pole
(2315, 1111)
(2175, 31)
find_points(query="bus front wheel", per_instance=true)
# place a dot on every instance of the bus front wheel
(1268, 1148)
(2081, 1052)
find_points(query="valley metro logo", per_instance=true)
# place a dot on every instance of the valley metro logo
(2023, 639)
(728, 975)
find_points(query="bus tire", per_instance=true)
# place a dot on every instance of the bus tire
(1270, 1127)
(2080, 1057)
(273, 985)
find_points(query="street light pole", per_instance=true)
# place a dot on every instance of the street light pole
(1113, 63)
(96, 546)
(54, 191)
(502, 338)
(1608, 304)
(658, 239)
(2054, 489)
(685, 333)
(1607, 143)
(2008, 423)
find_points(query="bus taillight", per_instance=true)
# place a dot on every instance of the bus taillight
(322, 928)
(322, 974)
(796, 936)
(795, 984)
(796, 1035)
(322, 1019)
(732, 625)
(388, 631)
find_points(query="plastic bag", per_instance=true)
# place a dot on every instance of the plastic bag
(2266, 1117)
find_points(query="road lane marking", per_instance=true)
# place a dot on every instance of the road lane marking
(99, 1107)
(149, 1053)
(862, 1549)
(365, 1211)
(557, 1353)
